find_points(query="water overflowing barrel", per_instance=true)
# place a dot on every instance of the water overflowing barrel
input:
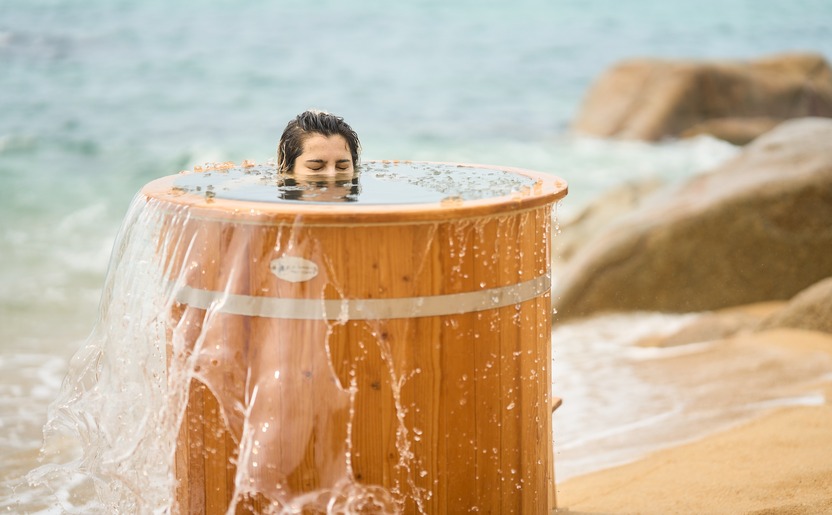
(377, 343)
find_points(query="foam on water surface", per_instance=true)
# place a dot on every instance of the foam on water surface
(375, 183)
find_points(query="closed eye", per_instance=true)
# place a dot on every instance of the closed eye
(314, 164)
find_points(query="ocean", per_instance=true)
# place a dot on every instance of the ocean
(100, 97)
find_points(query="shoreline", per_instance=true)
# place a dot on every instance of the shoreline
(778, 462)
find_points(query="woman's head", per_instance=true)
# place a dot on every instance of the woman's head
(318, 142)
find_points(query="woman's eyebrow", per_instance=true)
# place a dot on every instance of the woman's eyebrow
(314, 161)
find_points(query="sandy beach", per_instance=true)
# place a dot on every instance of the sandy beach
(778, 463)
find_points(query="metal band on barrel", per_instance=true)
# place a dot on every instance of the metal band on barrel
(364, 309)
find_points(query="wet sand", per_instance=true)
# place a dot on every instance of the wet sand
(780, 462)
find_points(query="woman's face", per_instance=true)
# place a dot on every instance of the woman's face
(324, 156)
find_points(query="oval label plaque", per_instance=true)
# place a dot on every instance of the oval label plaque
(293, 269)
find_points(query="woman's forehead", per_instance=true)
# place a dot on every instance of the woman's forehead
(320, 143)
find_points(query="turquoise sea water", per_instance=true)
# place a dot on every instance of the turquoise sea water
(99, 97)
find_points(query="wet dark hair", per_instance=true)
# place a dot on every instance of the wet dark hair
(313, 122)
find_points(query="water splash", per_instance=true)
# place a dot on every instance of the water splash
(212, 383)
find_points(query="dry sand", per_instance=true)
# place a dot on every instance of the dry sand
(780, 463)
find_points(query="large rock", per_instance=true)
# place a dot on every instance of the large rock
(737, 129)
(758, 228)
(811, 309)
(599, 213)
(709, 326)
(652, 99)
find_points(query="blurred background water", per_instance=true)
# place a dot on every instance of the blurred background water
(99, 97)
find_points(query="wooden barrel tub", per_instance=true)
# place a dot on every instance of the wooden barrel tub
(372, 345)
